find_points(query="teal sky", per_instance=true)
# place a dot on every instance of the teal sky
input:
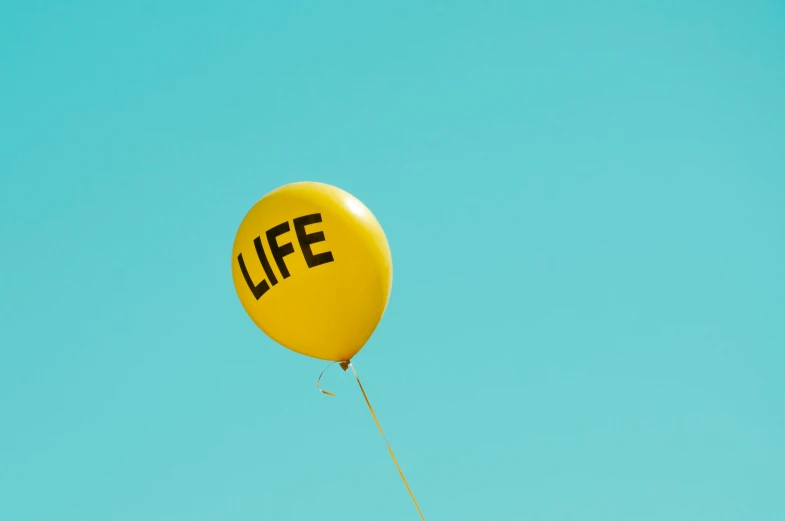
(585, 202)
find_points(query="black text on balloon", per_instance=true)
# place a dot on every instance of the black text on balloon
(279, 251)
(306, 239)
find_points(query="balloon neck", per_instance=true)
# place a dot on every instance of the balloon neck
(345, 365)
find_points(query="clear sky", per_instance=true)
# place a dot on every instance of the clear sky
(585, 202)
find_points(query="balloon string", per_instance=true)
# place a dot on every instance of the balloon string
(319, 381)
(344, 366)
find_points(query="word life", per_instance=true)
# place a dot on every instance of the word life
(279, 251)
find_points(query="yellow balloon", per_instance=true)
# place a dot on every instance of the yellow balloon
(312, 268)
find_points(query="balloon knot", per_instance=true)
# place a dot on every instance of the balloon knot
(345, 365)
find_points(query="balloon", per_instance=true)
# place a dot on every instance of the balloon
(312, 268)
